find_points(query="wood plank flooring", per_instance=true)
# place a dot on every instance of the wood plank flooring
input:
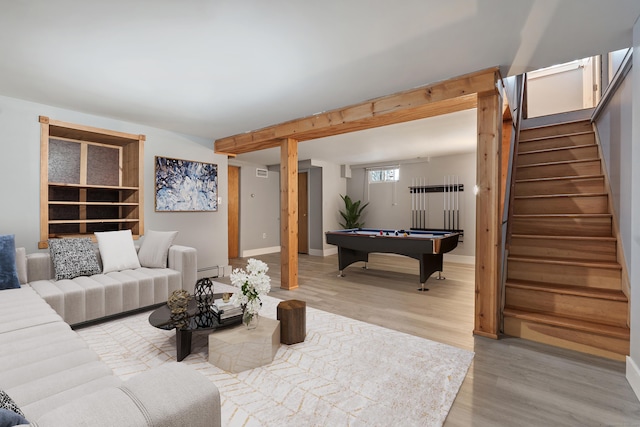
(511, 382)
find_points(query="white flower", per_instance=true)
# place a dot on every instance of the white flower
(254, 282)
(238, 299)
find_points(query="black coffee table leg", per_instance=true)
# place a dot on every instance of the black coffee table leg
(183, 344)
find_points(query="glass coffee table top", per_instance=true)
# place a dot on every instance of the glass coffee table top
(197, 320)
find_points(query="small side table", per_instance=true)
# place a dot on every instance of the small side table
(237, 349)
(293, 321)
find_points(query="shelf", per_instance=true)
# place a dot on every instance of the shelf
(92, 221)
(95, 187)
(54, 202)
(92, 181)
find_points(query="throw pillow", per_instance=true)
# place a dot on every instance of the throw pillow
(7, 402)
(9, 418)
(155, 248)
(73, 257)
(117, 250)
(8, 271)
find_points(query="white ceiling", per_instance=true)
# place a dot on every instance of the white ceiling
(218, 68)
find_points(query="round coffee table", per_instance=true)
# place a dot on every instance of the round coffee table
(196, 321)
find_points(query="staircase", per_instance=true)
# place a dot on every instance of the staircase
(564, 284)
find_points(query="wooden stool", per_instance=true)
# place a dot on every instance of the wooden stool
(292, 315)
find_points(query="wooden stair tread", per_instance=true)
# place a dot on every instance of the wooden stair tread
(569, 323)
(551, 196)
(597, 293)
(567, 215)
(567, 261)
(559, 119)
(575, 238)
(560, 178)
(563, 162)
(544, 138)
(557, 149)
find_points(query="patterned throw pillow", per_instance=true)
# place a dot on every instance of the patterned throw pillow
(73, 257)
(7, 403)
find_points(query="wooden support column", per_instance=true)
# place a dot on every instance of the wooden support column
(488, 235)
(289, 213)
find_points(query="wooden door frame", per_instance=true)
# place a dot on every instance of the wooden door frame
(229, 207)
(481, 90)
(306, 208)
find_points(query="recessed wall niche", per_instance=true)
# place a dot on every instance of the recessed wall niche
(91, 180)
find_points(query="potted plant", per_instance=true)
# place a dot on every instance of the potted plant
(351, 214)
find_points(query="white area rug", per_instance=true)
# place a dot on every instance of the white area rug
(346, 373)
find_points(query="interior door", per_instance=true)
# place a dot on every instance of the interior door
(591, 81)
(303, 213)
(233, 207)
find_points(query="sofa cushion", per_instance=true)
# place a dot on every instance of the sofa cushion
(117, 250)
(73, 257)
(155, 247)
(8, 271)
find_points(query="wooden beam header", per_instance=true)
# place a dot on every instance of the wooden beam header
(445, 97)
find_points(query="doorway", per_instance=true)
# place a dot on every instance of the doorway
(303, 213)
(233, 207)
(565, 87)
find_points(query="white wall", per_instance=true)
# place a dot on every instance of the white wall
(20, 175)
(555, 92)
(261, 214)
(391, 208)
(614, 127)
(333, 185)
(316, 234)
(633, 259)
(259, 210)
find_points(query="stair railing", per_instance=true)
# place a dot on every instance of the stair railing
(517, 103)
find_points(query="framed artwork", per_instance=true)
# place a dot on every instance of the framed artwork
(186, 186)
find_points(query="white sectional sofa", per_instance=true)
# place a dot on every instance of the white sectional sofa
(55, 379)
(87, 298)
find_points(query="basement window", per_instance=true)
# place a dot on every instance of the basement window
(387, 174)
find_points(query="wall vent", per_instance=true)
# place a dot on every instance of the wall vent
(261, 173)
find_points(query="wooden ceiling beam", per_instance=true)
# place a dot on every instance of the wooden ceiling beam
(445, 97)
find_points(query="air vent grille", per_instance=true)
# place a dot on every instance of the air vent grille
(261, 173)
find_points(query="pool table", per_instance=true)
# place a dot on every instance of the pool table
(425, 246)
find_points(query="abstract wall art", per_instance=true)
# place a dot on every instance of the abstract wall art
(186, 186)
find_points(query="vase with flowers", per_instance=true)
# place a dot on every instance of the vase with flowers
(253, 283)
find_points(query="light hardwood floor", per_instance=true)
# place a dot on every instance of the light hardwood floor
(511, 382)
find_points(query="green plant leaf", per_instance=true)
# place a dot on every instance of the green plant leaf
(352, 212)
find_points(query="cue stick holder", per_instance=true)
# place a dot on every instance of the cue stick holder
(420, 191)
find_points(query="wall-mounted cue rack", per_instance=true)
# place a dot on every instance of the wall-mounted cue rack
(419, 191)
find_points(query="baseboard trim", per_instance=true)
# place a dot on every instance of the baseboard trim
(323, 252)
(633, 376)
(460, 259)
(260, 251)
